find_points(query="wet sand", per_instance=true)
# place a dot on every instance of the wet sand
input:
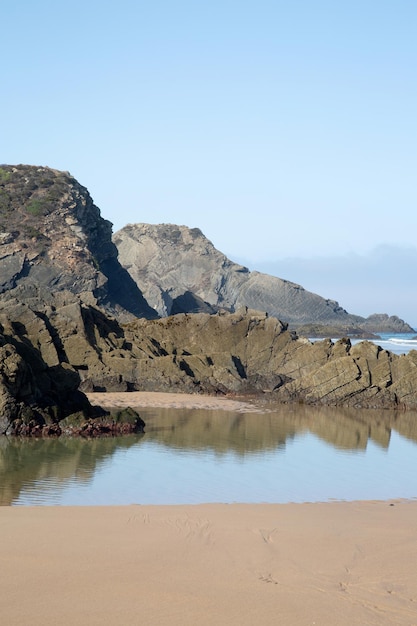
(339, 563)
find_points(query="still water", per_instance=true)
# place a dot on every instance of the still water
(284, 454)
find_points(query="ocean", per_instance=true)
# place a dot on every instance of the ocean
(400, 343)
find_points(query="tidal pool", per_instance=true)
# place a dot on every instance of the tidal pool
(190, 456)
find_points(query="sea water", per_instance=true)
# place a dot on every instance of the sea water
(400, 343)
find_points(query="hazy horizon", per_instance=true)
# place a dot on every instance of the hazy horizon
(378, 282)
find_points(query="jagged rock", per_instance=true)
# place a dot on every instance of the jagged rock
(33, 395)
(179, 270)
(366, 329)
(61, 282)
(246, 352)
(383, 323)
(250, 352)
(52, 238)
(123, 422)
(39, 381)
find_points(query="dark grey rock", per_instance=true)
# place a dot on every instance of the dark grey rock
(53, 238)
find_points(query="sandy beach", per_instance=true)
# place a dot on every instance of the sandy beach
(236, 565)
(137, 399)
(338, 563)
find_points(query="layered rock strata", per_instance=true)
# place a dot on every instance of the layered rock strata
(55, 253)
(180, 271)
(39, 387)
(53, 238)
(246, 352)
(250, 352)
(73, 320)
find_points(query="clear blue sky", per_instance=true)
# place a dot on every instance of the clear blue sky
(281, 129)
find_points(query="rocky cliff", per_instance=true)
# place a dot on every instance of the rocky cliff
(53, 238)
(250, 352)
(43, 353)
(246, 352)
(72, 320)
(34, 397)
(180, 271)
(55, 253)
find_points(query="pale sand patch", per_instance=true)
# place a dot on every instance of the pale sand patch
(137, 399)
(332, 564)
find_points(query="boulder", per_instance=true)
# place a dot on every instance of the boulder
(33, 395)
(42, 353)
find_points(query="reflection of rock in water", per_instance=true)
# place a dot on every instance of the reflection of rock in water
(345, 429)
(349, 429)
(55, 461)
(406, 424)
(218, 430)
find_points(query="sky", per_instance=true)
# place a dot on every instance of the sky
(285, 131)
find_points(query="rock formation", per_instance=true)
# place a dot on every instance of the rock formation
(39, 382)
(250, 352)
(34, 396)
(72, 320)
(52, 238)
(180, 271)
(246, 352)
(55, 252)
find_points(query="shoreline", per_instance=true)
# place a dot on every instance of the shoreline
(331, 563)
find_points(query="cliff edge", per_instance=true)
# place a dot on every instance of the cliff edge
(53, 238)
